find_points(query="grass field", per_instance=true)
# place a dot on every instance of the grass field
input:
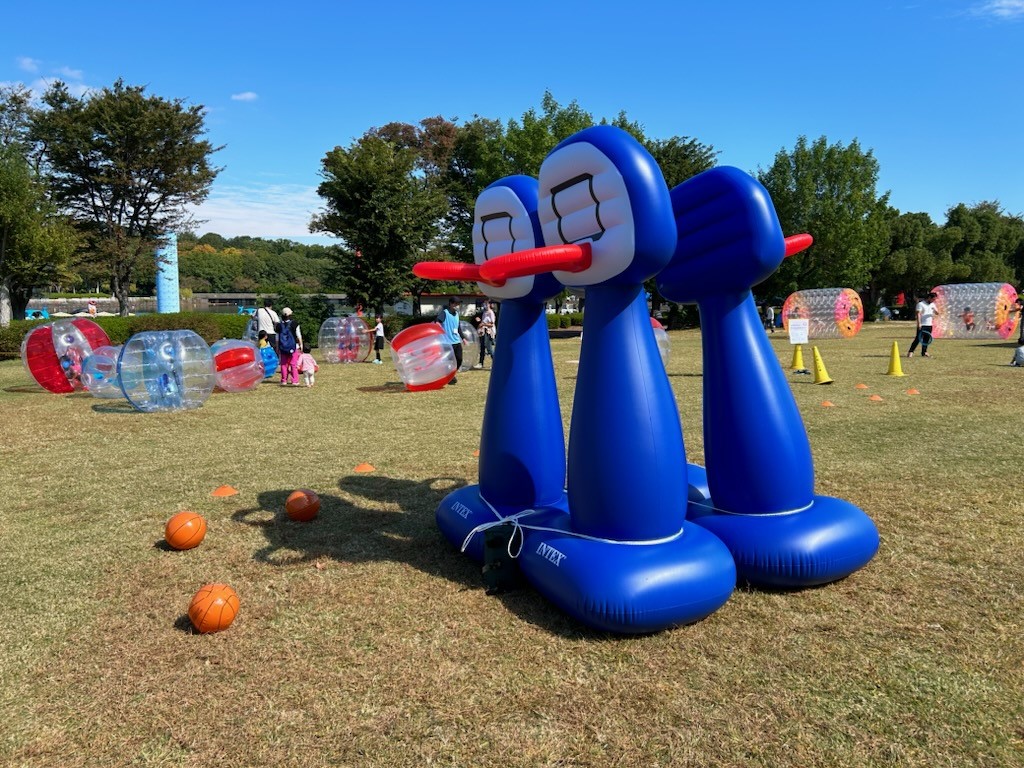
(364, 639)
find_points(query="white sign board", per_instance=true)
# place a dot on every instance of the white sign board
(798, 328)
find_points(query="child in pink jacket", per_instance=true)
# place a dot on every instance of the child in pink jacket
(308, 367)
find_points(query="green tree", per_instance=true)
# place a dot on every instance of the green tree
(989, 243)
(126, 166)
(830, 192)
(35, 243)
(385, 209)
(919, 257)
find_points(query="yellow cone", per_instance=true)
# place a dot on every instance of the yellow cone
(798, 359)
(895, 368)
(820, 374)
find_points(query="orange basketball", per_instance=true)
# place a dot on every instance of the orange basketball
(213, 608)
(185, 530)
(302, 505)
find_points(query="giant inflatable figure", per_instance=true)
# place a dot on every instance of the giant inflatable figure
(522, 446)
(625, 560)
(975, 311)
(780, 533)
(54, 353)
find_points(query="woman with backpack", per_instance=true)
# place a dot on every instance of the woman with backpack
(289, 345)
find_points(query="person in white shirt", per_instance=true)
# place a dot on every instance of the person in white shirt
(267, 320)
(926, 310)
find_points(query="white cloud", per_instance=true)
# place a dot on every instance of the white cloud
(28, 64)
(259, 210)
(1000, 9)
(245, 96)
(70, 74)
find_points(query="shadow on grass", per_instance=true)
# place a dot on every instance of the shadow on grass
(184, 624)
(350, 532)
(389, 388)
(26, 389)
(115, 406)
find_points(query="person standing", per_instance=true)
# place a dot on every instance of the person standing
(378, 339)
(289, 342)
(448, 319)
(267, 320)
(926, 310)
(769, 318)
(1018, 307)
(487, 331)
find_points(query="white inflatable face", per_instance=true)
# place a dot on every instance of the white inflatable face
(583, 199)
(502, 225)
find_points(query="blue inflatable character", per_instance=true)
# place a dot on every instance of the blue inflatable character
(522, 446)
(760, 472)
(625, 560)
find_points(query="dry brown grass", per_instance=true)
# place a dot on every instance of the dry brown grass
(364, 640)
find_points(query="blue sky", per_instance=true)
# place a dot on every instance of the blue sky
(935, 88)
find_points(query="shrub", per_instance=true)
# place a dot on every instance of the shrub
(210, 326)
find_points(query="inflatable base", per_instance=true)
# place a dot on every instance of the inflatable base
(462, 511)
(628, 588)
(823, 543)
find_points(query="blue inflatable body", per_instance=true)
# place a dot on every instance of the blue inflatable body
(522, 446)
(625, 561)
(270, 361)
(780, 533)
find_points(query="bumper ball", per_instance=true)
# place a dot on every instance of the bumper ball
(423, 357)
(166, 371)
(355, 341)
(328, 340)
(54, 353)
(238, 365)
(99, 373)
(470, 344)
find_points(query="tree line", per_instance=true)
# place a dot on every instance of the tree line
(89, 184)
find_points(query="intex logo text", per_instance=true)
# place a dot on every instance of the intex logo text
(461, 509)
(550, 553)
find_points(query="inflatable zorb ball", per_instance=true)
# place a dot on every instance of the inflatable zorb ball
(166, 371)
(470, 345)
(354, 340)
(834, 313)
(328, 340)
(99, 373)
(975, 311)
(238, 365)
(423, 357)
(54, 353)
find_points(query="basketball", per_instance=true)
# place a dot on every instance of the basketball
(213, 608)
(185, 530)
(302, 505)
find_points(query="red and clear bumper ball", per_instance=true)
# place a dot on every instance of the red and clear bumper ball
(238, 365)
(423, 357)
(54, 353)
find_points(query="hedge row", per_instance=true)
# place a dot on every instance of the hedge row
(210, 326)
